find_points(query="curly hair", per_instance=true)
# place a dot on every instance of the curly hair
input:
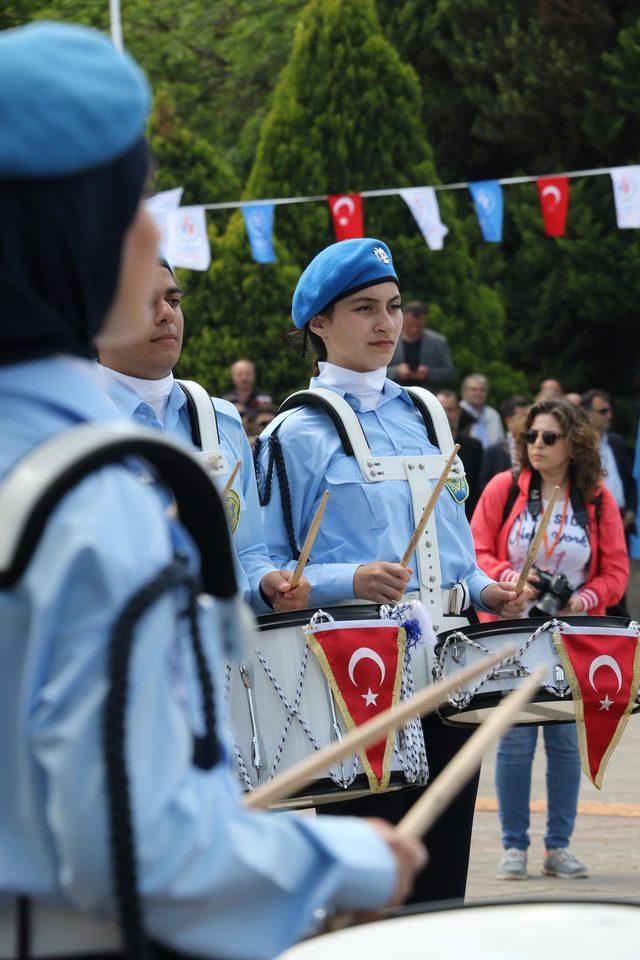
(583, 444)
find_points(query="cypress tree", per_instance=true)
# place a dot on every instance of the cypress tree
(346, 116)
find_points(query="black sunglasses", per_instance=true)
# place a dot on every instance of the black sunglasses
(603, 410)
(548, 437)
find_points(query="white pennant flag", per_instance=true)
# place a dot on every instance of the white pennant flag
(626, 193)
(187, 241)
(160, 206)
(423, 203)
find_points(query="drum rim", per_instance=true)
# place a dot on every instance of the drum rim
(351, 611)
(491, 699)
(445, 906)
(530, 624)
(299, 618)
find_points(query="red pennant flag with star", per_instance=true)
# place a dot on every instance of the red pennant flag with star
(347, 215)
(553, 193)
(603, 669)
(363, 664)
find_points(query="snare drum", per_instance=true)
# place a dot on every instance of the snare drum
(472, 704)
(282, 709)
(566, 930)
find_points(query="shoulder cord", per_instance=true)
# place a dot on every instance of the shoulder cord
(276, 456)
(122, 841)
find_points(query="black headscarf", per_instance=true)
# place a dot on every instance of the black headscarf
(60, 248)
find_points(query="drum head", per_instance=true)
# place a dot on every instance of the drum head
(571, 930)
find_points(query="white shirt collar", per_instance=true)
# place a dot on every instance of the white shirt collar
(367, 387)
(155, 393)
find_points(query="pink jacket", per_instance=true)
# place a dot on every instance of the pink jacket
(609, 568)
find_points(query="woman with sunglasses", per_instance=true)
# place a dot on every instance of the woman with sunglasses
(555, 446)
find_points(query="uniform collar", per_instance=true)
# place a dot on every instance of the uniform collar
(128, 401)
(390, 391)
(72, 384)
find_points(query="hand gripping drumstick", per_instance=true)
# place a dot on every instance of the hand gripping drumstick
(307, 546)
(537, 540)
(301, 774)
(430, 507)
(232, 477)
(444, 788)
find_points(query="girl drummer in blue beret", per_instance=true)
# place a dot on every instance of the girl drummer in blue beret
(347, 303)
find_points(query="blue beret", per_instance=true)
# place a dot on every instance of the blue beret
(338, 271)
(69, 101)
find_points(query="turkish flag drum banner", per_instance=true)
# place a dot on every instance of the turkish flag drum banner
(347, 215)
(553, 193)
(363, 661)
(603, 669)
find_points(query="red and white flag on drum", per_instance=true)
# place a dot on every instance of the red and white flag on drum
(347, 215)
(554, 200)
(603, 670)
(363, 662)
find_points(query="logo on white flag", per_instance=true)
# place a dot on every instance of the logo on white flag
(423, 203)
(187, 240)
(626, 194)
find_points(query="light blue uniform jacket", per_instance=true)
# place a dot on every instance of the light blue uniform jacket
(363, 522)
(252, 553)
(216, 880)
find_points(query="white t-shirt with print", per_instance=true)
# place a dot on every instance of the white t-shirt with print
(571, 553)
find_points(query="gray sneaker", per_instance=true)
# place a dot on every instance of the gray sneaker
(561, 863)
(513, 865)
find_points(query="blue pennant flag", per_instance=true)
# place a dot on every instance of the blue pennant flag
(258, 219)
(487, 199)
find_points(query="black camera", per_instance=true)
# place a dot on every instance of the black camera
(555, 591)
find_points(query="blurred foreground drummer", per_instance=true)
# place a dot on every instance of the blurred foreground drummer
(140, 382)
(347, 302)
(77, 260)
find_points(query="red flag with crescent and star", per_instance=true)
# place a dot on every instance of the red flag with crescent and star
(603, 669)
(363, 662)
(553, 193)
(347, 215)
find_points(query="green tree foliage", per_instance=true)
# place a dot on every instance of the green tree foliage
(346, 116)
(520, 87)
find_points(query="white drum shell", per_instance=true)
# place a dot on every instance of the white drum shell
(546, 707)
(282, 648)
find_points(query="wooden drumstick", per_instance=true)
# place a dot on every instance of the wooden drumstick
(448, 784)
(301, 774)
(232, 476)
(309, 540)
(537, 540)
(430, 507)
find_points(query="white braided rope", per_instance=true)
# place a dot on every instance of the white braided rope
(240, 761)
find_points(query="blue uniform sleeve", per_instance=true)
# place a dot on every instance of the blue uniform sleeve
(206, 866)
(305, 466)
(248, 536)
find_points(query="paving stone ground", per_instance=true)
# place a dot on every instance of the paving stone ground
(606, 838)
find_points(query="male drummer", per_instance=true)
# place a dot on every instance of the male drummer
(140, 382)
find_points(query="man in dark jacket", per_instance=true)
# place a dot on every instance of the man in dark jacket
(616, 461)
(499, 456)
(422, 357)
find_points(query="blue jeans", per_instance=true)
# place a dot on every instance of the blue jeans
(513, 784)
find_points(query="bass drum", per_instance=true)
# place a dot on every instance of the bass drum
(282, 710)
(555, 930)
(552, 703)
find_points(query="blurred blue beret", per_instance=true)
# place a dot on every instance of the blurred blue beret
(336, 272)
(69, 101)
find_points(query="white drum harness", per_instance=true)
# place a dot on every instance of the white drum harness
(204, 426)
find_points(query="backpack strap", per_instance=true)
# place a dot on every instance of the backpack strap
(512, 496)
